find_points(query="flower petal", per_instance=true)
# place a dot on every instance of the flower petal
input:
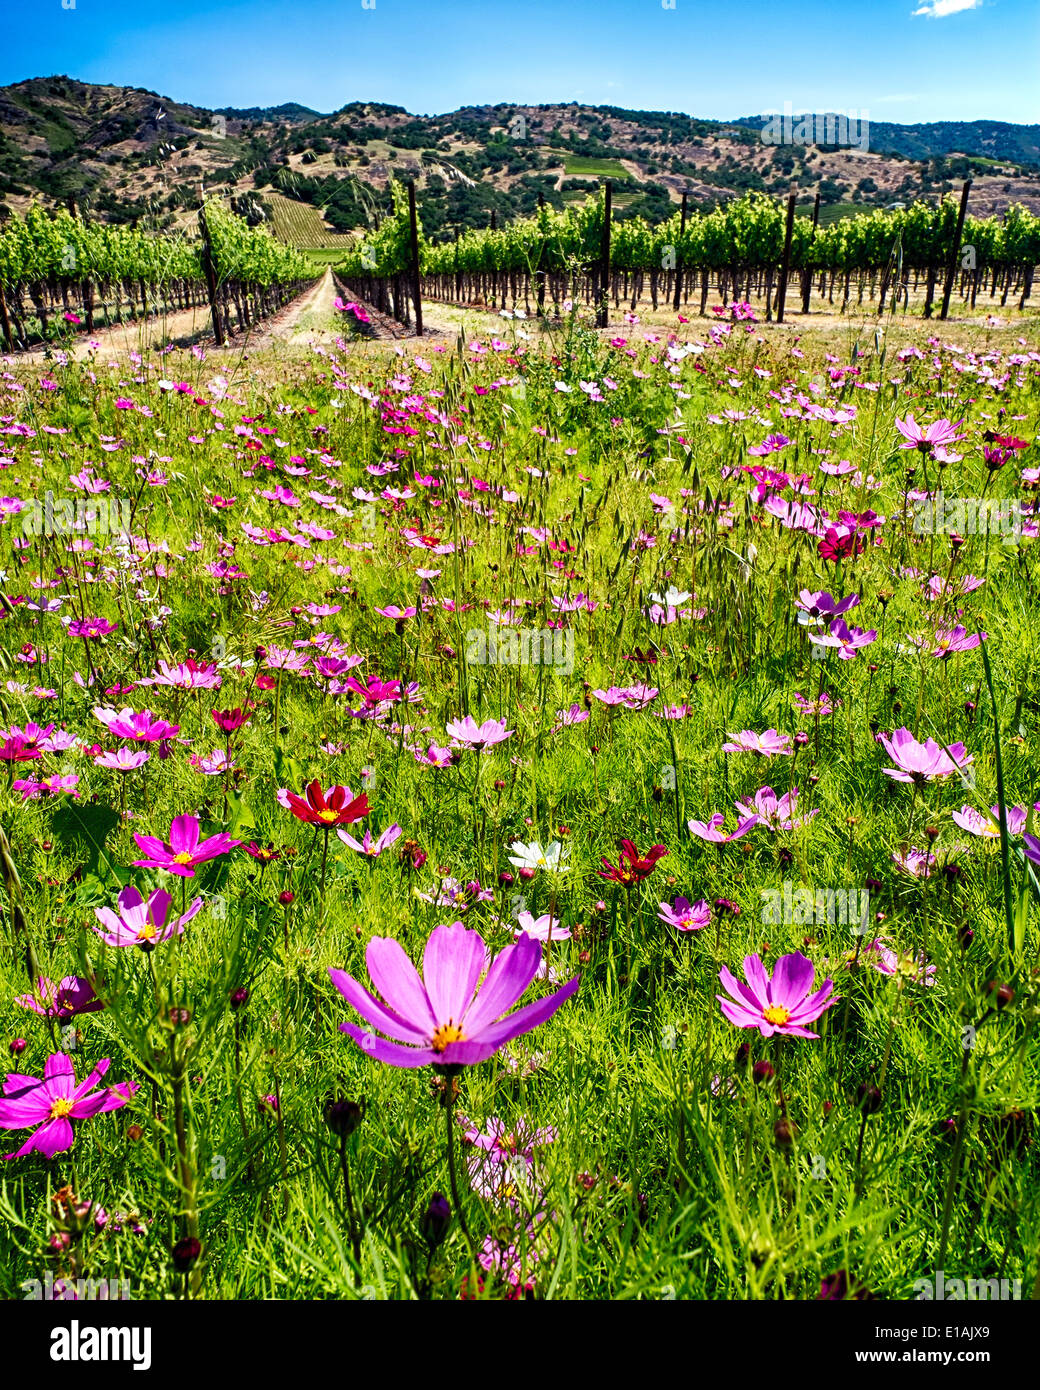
(453, 962)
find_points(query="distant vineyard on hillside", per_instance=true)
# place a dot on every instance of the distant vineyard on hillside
(300, 224)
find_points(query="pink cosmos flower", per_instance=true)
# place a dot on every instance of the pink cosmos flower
(369, 847)
(122, 760)
(434, 756)
(501, 1169)
(398, 615)
(575, 714)
(916, 862)
(881, 955)
(184, 850)
(777, 813)
(140, 921)
(544, 928)
(781, 1004)
(767, 745)
(711, 830)
(684, 915)
(957, 640)
(189, 675)
(921, 762)
(459, 896)
(91, 629)
(448, 1017)
(467, 733)
(633, 697)
(48, 1107)
(975, 823)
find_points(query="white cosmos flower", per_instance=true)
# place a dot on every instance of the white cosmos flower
(673, 598)
(532, 856)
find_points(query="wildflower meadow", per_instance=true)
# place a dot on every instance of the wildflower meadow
(527, 813)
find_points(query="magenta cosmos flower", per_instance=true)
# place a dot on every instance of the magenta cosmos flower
(782, 1004)
(1031, 848)
(64, 1000)
(48, 1107)
(684, 915)
(143, 726)
(447, 1017)
(142, 921)
(184, 849)
(847, 640)
(921, 762)
(927, 439)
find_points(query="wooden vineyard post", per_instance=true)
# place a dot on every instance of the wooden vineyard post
(785, 264)
(5, 322)
(678, 261)
(211, 280)
(413, 231)
(494, 268)
(539, 274)
(604, 258)
(951, 269)
(807, 272)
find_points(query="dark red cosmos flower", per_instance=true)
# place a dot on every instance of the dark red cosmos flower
(840, 543)
(337, 806)
(632, 867)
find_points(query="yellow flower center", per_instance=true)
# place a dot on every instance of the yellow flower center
(183, 858)
(327, 816)
(445, 1034)
(61, 1108)
(148, 932)
(776, 1014)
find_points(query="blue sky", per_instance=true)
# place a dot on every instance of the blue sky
(900, 60)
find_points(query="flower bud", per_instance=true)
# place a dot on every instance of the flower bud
(185, 1253)
(436, 1220)
(868, 1098)
(344, 1116)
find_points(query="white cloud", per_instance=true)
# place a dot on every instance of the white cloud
(938, 9)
